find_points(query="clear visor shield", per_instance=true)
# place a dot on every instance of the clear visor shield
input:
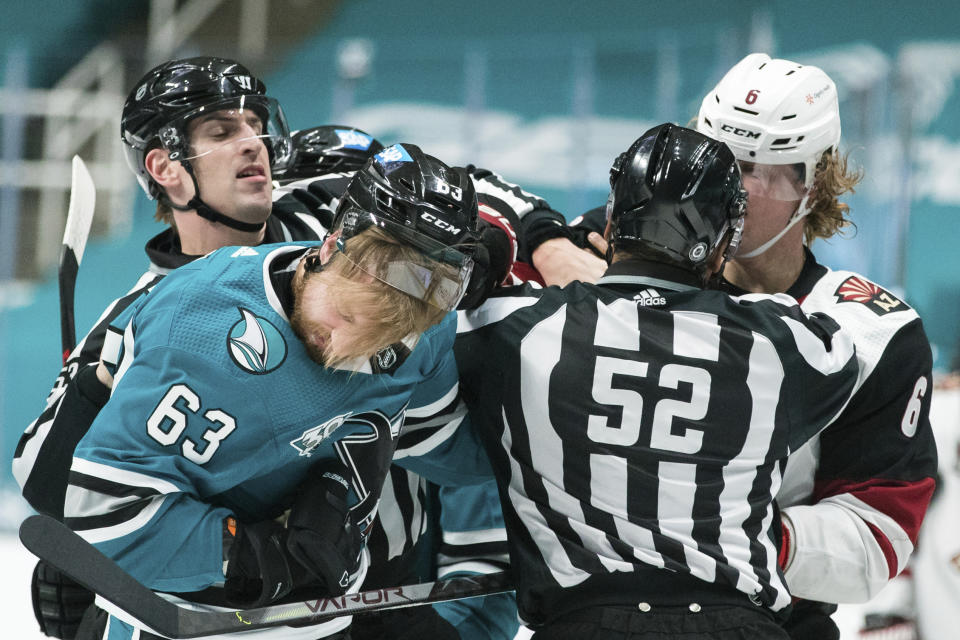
(783, 182)
(437, 274)
(210, 128)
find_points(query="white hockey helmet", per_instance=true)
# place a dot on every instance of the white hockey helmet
(773, 111)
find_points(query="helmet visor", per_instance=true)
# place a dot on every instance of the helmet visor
(439, 275)
(207, 129)
(783, 182)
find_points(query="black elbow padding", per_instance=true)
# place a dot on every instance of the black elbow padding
(90, 387)
(83, 398)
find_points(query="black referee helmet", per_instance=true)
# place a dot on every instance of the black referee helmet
(675, 196)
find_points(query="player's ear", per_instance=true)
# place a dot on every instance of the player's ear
(329, 247)
(161, 168)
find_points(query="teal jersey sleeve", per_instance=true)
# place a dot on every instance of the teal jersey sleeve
(474, 540)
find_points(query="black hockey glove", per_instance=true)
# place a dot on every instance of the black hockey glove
(536, 228)
(593, 221)
(811, 621)
(414, 623)
(492, 261)
(318, 200)
(58, 602)
(259, 568)
(321, 534)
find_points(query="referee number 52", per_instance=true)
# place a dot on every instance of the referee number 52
(627, 433)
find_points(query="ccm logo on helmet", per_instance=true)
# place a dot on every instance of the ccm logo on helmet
(446, 226)
(737, 131)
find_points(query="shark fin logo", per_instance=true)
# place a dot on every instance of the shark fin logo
(255, 345)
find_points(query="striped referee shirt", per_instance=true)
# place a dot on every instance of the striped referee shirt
(642, 424)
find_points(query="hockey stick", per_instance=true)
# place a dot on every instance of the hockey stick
(83, 197)
(55, 543)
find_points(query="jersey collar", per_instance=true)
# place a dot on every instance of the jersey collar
(811, 273)
(642, 274)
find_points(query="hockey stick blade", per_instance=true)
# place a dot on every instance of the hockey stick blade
(83, 197)
(54, 542)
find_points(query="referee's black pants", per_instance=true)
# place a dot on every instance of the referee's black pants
(719, 622)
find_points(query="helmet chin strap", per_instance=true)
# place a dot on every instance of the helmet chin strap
(802, 210)
(206, 211)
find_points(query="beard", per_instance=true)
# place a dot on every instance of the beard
(305, 330)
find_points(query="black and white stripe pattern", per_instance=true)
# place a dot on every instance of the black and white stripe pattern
(634, 434)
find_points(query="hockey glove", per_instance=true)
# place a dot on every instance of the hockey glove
(493, 259)
(259, 568)
(58, 602)
(321, 534)
(413, 623)
(811, 621)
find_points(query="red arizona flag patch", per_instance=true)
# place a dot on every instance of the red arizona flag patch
(877, 299)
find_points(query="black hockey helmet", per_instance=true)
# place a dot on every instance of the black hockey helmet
(172, 94)
(675, 196)
(426, 204)
(327, 149)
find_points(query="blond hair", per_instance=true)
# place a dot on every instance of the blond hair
(164, 214)
(392, 314)
(832, 178)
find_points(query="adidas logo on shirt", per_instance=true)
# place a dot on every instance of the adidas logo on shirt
(650, 298)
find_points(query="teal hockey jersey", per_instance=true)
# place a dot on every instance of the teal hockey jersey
(217, 410)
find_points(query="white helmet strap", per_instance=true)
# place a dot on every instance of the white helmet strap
(802, 210)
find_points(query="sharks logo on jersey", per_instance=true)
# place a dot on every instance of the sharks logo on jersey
(875, 298)
(255, 345)
(312, 438)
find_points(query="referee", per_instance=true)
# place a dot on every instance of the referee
(639, 427)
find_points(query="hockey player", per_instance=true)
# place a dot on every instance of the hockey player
(229, 185)
(159, 119)
(638, 427)
(854, 497)
(259, 379)
(471, 534)
(218, 199)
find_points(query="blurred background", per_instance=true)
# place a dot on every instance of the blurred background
(547, 94)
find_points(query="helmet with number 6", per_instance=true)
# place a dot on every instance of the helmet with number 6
(675, 196)
(774, 112)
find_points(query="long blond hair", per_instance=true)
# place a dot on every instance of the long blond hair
(833, 177)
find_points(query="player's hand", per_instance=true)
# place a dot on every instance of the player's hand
(259, 568)
(597, 244)
(58, 601)
(321, 534)
(560, 262)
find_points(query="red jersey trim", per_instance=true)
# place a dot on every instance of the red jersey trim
(903, 501)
